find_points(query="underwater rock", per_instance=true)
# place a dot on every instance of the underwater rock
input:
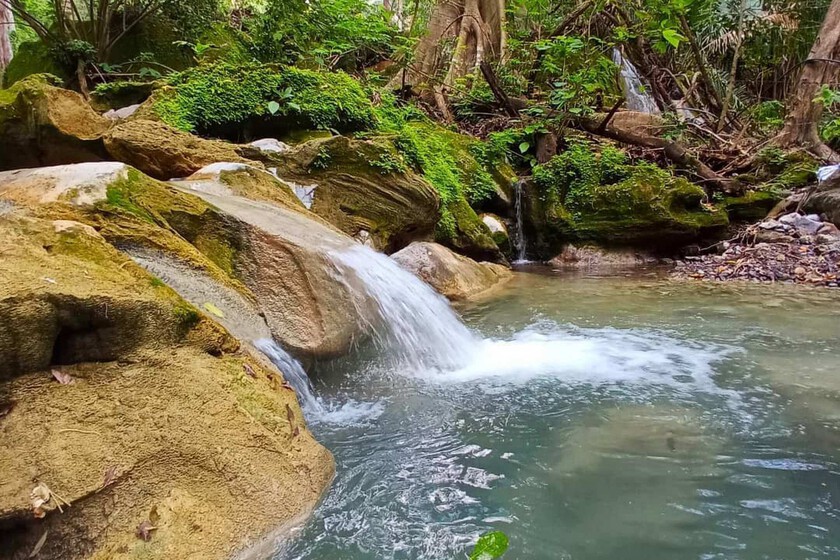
(588, 256)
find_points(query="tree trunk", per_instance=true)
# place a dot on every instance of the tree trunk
(821, 68)
(7, 25)
(460, 35)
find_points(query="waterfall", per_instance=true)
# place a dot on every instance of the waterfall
(293, 372)
(519, 241)
(413, 327)
(638, 99)
(409, 321)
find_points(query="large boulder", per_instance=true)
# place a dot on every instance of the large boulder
(364, 188)
(454, 276)
(41, 124)
(249, 234)
(79, 184)
(826, 199)
(163, 152)
(133, 425)
(583, 196)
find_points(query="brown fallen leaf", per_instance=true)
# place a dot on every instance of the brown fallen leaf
(249, 370)
(144, 530)
(61, 377)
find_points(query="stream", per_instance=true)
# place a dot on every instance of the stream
(590, 418)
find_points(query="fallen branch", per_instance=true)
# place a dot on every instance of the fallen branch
(674, 151)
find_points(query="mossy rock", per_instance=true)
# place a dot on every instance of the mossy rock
(152, 392)
(42, 124)
(164, 152)
(785, 170)
(752, 206)
(115, 95)
(363, 186)
(109, 312)
(237, 101)
(461, 229)
(31, 57)
(585, 195)
(449, 162)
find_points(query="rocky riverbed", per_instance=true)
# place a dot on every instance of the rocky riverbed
(794, 248)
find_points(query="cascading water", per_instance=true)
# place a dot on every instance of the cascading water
(410, 323)
(638, 99)
(520, 242)
(294, 373)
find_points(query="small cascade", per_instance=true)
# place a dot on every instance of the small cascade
(411, 323)
(520, 243)
(294, 373)
(638, 99)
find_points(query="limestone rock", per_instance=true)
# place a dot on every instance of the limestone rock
(79, 184)
(227, 178)
(497, 228)
(160, 421)
(827, 203)
(361, 187)
(164, 152)
(233, 223)
(270, 145)
(41, 124)
(454, 276)
(281, 255)
(121, 113)
(599, 257)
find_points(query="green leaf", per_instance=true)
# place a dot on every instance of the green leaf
(490, 546)
(273, 107)
(673, 37)
(523, 147)
(214, 310)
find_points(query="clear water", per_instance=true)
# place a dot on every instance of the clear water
(594, 418)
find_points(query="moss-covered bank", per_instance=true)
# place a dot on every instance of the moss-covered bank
(590, 195)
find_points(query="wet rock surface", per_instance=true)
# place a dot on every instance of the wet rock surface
(793, 248)
(454, 276)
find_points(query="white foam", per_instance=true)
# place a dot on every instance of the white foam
(591, 356)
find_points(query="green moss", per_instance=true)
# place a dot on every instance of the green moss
(114, 95)
(600, 196)
(321, 160)
(219, 250)
(219, 95)
(186, 315)
(32, 57)
(785, 170)
(753, 205)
